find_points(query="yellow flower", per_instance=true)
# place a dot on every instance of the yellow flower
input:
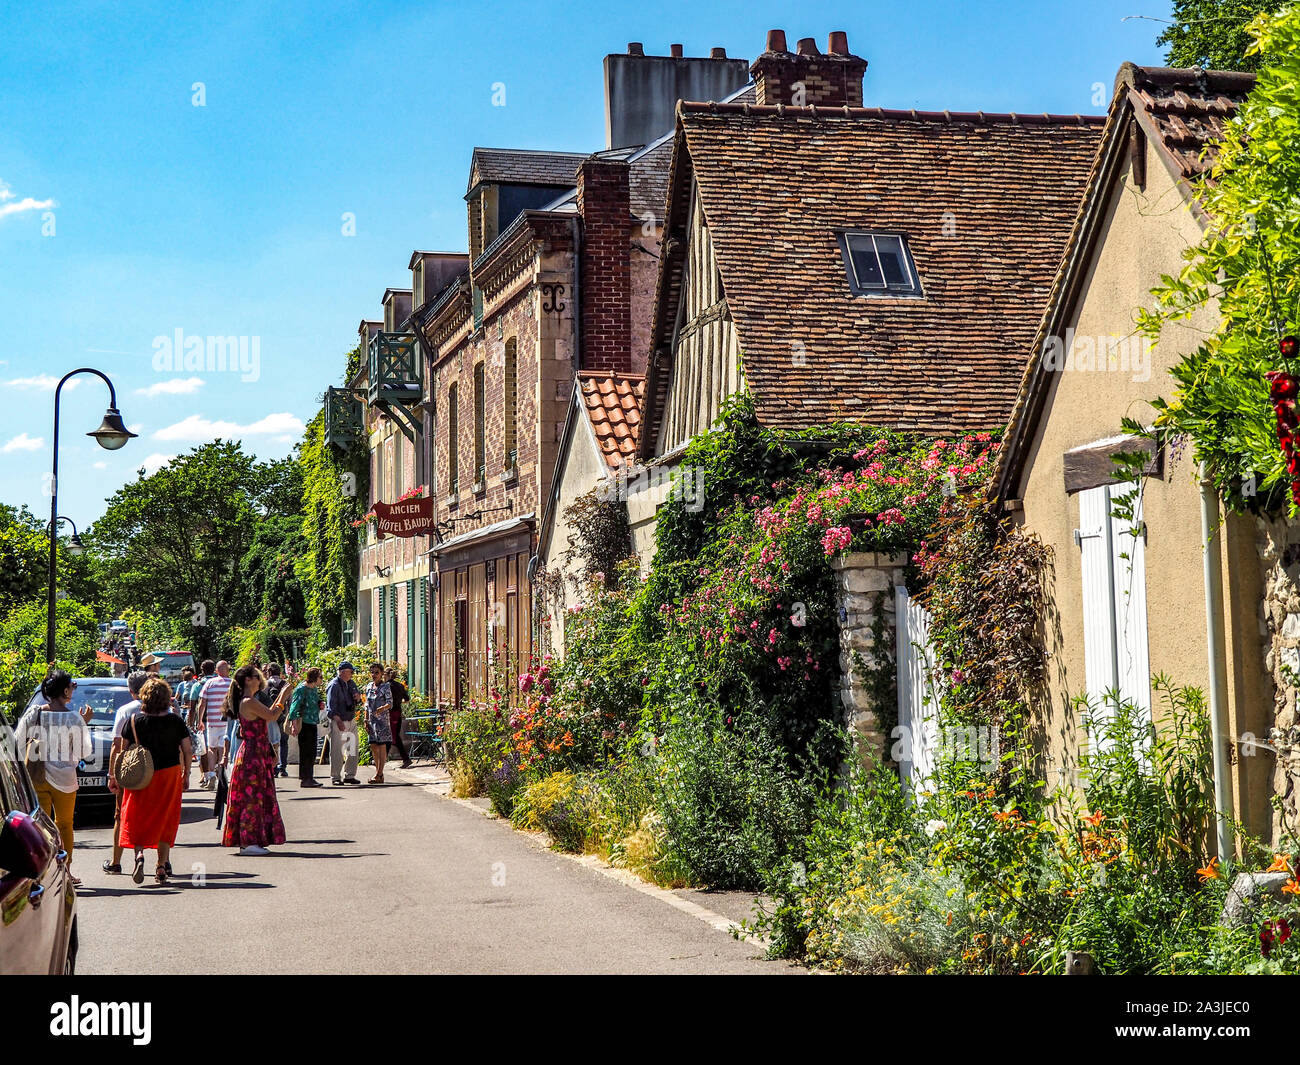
(1210, 872)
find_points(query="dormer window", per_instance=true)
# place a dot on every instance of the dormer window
(879, 264)
(417, 285)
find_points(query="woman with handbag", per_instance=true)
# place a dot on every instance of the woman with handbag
(304, 716)
(152, 770)
(51, 740)
(252, 812)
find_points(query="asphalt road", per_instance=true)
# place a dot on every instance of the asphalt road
(392, 879)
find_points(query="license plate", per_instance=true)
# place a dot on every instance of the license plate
(93, 782)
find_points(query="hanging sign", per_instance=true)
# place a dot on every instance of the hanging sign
(406, 517)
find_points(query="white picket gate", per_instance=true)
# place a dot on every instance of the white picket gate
(917, 740)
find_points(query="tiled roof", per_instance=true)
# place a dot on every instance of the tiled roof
(986, 203)
(1184, 111)
(517, 166)
(1188, 109)
(648, 178)
(613, 403)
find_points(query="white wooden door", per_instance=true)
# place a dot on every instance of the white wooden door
(918, 695)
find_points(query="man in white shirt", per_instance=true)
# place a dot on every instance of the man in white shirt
(208, 712)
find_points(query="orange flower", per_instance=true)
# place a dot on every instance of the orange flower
(1006, 815)
(1291, 887)
(1279, 865)
(1097, 818)
(1210, 872)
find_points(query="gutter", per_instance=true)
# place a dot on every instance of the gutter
(1213, 575)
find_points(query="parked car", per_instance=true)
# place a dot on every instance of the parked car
(119, 627)
(103, 695)
(38, 904)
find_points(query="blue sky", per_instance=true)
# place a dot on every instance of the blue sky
(226, 219)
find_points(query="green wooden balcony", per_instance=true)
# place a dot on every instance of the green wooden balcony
(344, 418)
(395, 371)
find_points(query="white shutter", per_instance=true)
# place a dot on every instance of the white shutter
(1129, 547)
(1095, 566)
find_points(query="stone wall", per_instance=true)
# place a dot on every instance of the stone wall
(864, 587)
(1279, 552)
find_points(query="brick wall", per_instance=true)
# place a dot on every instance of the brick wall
(644, 274)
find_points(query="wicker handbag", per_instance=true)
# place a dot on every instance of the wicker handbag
(33, 752)
(134, 765)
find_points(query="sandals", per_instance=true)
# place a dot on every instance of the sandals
(160, 875)
(110, 868)
(378, 778)
(137, 874)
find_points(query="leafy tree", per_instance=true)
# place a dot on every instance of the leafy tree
(22, 648)
(1248, 264)
(275, 591)
(1215, 34)
(173, 543)
(25, 559)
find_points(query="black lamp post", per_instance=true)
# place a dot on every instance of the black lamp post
(111, 435)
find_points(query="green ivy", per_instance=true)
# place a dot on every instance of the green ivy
(1247, 265)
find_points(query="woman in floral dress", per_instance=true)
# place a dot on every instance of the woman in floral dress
(379, 701)
(252, 812)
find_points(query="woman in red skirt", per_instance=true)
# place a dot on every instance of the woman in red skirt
(253, 812)
(151, 815)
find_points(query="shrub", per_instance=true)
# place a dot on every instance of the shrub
(732, 806)
(477, 742)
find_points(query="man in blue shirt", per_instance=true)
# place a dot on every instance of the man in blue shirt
(341, 699)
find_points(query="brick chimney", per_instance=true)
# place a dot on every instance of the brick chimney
(807, 77)
(605, 285)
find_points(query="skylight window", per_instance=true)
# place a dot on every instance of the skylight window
(879, 264)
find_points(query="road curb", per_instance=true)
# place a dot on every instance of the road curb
(440, 785)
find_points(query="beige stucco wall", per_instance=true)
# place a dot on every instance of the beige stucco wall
(646, 494)
(581, 469)
(1142, 237)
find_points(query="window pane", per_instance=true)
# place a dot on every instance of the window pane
(892, 262)
(865, 266)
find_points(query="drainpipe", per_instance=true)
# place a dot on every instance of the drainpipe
(1210, 542)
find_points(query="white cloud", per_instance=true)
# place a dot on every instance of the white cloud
(41, 382)
(23, 442)
(197, 427)
(176, 386)
(155, 462)
(99, 465)
(10, 204)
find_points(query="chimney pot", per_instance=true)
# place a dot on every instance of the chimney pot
(717, 53)
(634, 48)
(676, 50)
(775, 41)
(838, 43)
(807, 46)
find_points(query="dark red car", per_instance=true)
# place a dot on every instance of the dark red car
(38, 905)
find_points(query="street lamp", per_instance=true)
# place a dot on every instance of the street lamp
(75, 547)
(111, 435)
